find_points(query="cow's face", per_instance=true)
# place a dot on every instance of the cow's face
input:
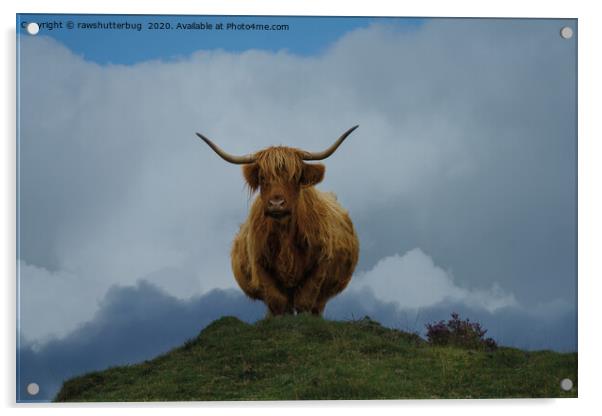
(279, 173)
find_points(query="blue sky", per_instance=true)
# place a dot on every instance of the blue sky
(305, 36)
(460, 181)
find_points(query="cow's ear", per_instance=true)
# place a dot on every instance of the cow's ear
(251, 174)
(312, 174)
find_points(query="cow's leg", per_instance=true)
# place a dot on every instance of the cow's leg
(288, 310)
(318, 307)
(337, 278)
(306, 296)
(276, 300)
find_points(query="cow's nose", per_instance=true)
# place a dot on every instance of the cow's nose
(277, 202)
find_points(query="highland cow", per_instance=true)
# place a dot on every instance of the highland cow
(297, 248)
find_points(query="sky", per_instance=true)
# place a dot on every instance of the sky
(460, 181)
(151, 37)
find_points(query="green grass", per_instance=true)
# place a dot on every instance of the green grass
(305, 357)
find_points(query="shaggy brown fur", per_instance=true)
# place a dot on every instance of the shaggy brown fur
(294, 263)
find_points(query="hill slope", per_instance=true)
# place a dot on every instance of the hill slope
(304, 357)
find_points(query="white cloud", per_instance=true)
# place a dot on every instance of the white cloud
(414, 281)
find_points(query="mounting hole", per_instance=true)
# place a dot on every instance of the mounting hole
(33, 389)
(566, 384)
(32, 28)
(566, 32)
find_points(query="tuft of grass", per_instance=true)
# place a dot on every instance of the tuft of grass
(307, 357)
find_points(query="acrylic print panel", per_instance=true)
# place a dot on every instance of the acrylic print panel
(152, 268)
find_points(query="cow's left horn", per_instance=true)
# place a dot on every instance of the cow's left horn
(331, 149)
(238, 160)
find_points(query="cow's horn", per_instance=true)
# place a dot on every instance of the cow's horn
(331, 149)
(238, 160)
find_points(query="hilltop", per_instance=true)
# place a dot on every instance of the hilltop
(306, 357)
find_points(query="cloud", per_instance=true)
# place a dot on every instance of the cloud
(45, 311)
(414, 281)
(514, 326)
(136, 323)
(409, 291)
(132, 324)
(465, 149)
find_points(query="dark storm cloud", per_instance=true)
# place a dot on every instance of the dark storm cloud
(132, 324)
(140, 322)
(555, 328)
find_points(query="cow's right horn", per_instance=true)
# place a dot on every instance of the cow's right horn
(238, 160)
(324, 154)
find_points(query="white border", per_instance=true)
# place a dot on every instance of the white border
(590, 202)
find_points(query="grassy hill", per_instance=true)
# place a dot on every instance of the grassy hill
(305, 357)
